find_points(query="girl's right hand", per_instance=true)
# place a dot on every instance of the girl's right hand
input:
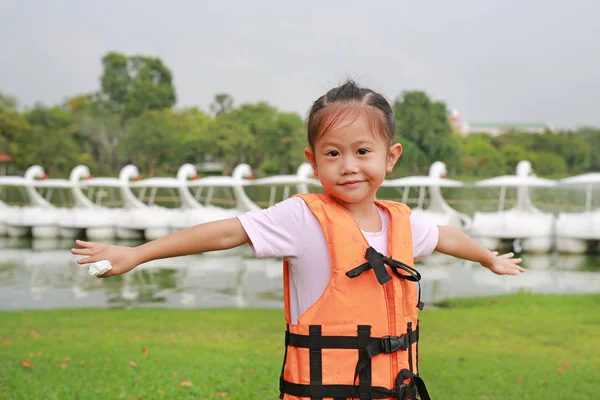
(123, 259)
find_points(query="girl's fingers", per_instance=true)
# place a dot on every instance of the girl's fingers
(82, 243)
(108, 273)
(516, 270)
(87, 260)
(81, 252)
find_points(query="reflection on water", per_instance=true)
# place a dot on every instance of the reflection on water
(43, 274)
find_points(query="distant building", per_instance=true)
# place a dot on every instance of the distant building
(495, 129)
(501, 128)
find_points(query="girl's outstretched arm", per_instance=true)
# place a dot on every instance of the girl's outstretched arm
(456, 243)
(217, 235)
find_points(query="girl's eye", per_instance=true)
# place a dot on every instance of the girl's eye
(362, 152)
(332, 153)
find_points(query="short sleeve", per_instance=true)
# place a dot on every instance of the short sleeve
(425, 236)
(274, 231)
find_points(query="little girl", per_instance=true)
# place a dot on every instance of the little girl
(351, 302)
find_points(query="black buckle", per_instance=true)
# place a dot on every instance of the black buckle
(391, 344)
(402, 392)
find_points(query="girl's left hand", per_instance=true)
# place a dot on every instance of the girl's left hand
(122, 259)
(505, 264)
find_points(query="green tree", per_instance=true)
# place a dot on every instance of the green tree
(191, 125)
(8, 103)
(547, 163)
(228, 141)
(49, 141)
(12, 125)
(591, 136)
(261, 120)
(80, 103)
(516, 138)
(100, 132)
(425, 124)
(412, 160)
(480, 157)
(150, 138)
(222, 104)
(570, 146)
(512, 154)
(285, 142)
(102, 137)
(573, 149)
(136, 84)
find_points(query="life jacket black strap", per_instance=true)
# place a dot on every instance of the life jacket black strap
(377, 261)
(316, 363)
(386, 344)
(400, 392)
(287, 341)
(416, 380)
(367, 347)
(364, 389)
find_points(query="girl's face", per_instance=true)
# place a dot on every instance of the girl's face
(351, 161)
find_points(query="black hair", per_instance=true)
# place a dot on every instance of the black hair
(350, 99)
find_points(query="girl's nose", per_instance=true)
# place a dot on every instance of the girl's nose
(349, 165)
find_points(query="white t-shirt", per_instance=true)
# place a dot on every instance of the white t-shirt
(290, 230)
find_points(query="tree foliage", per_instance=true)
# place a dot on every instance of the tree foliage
(480, 157)
(222, 104)
(8, 103)
(591, 137)
(49, 140)
(283, 145)
(136, 84)
(12, 124)
(424, 124)
(131, 119)
(151, 138)
(228, 141)
(547, 163)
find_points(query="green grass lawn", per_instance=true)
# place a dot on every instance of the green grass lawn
(507, 347)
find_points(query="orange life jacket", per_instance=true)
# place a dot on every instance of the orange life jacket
(359, 340)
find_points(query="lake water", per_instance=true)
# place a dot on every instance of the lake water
(44, 275)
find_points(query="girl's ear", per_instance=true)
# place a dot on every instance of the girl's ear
(310, 156)
(393, 156)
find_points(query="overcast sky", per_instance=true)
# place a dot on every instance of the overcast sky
(493, 60)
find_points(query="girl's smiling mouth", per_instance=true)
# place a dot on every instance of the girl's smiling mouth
(351, 183)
